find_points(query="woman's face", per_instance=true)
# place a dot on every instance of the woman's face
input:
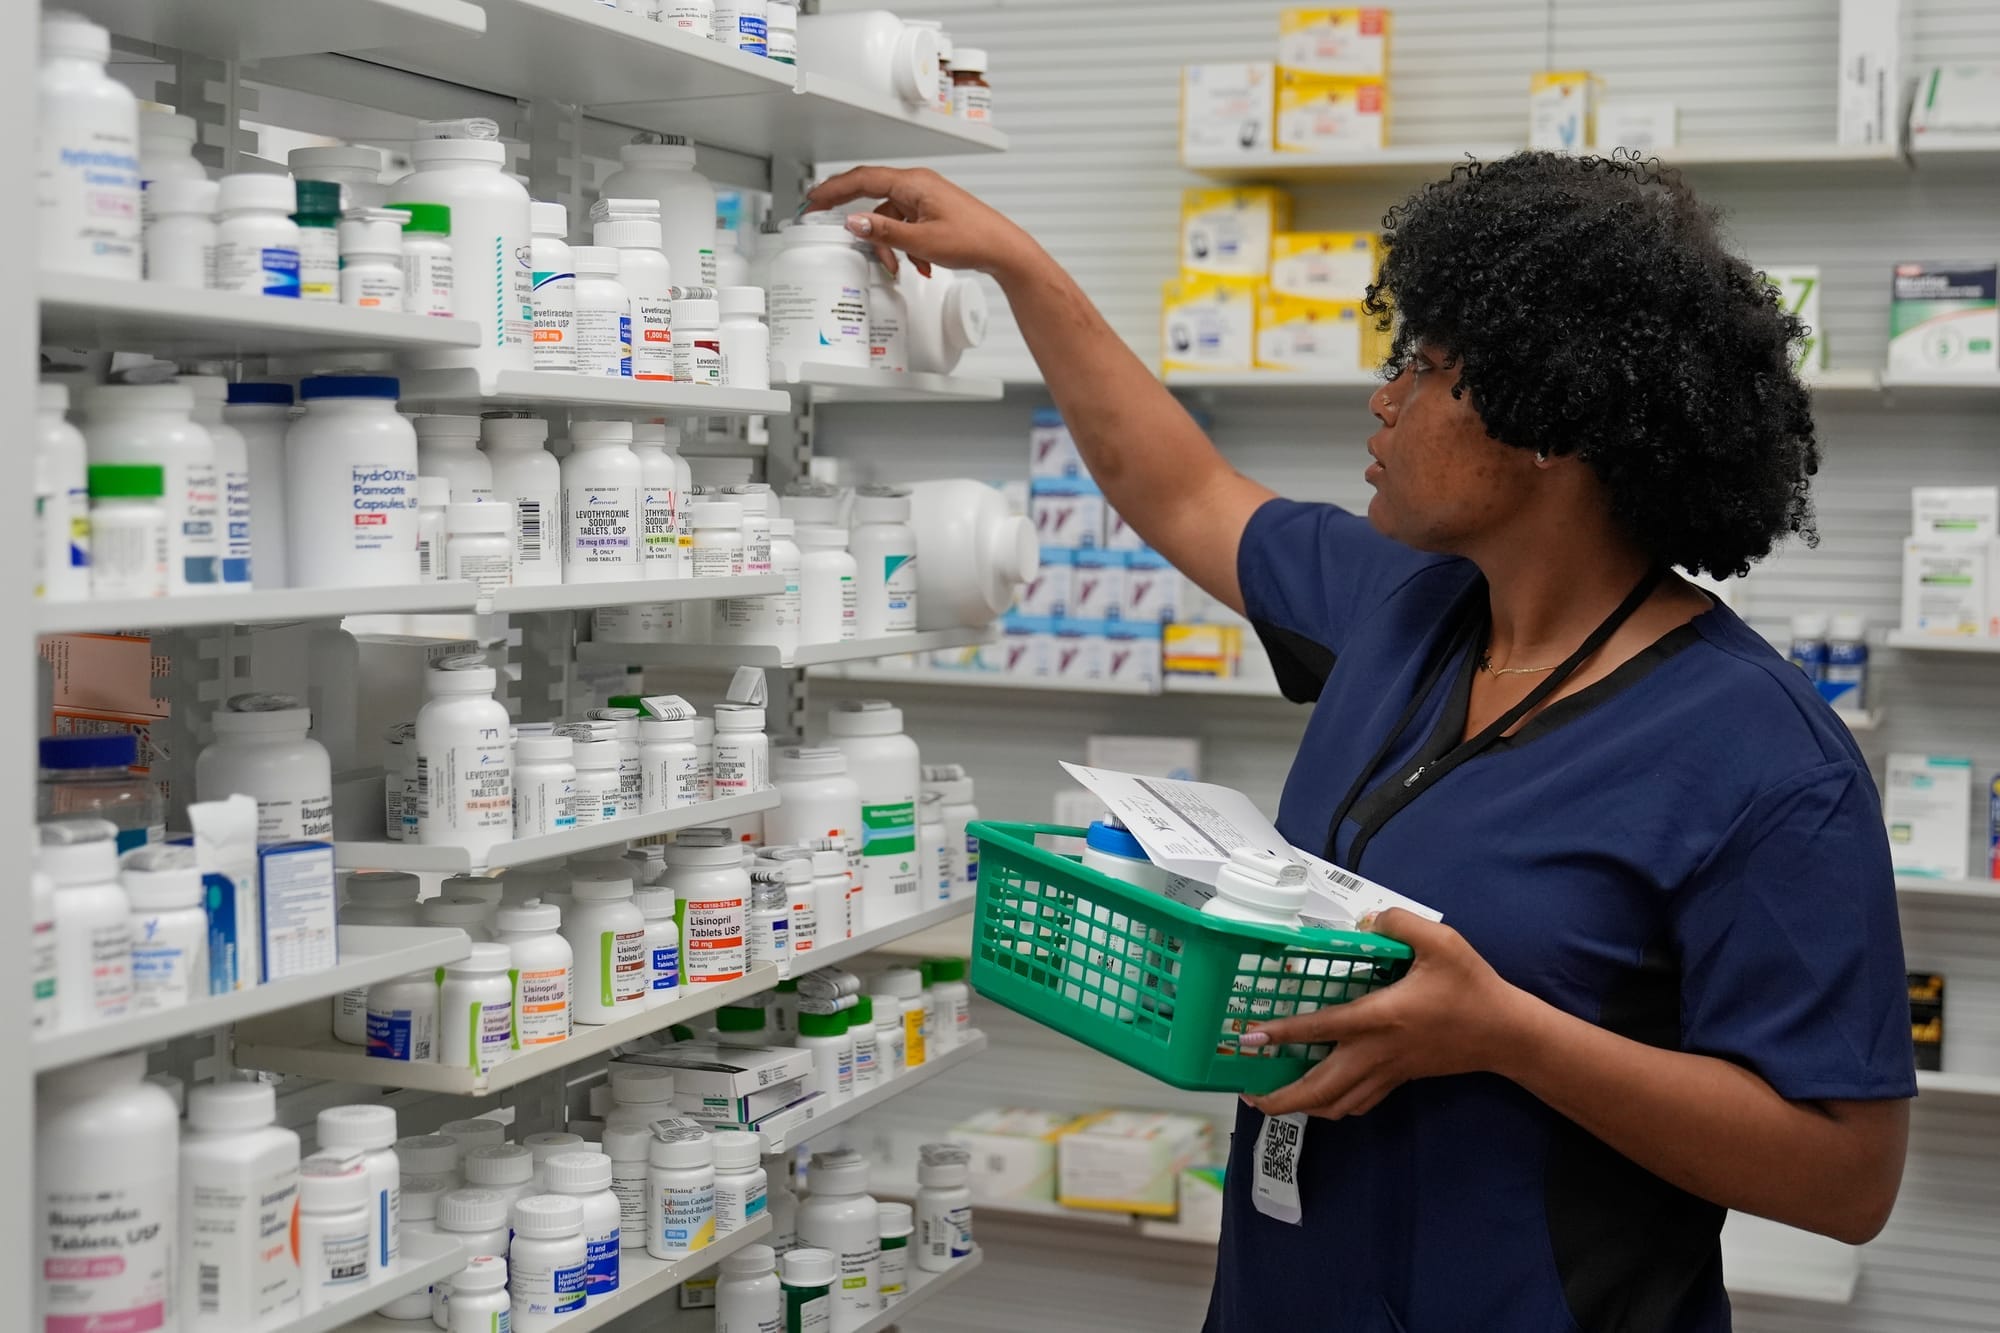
(1441, 482)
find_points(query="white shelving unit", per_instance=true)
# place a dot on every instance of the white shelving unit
(845, 384)
(638, 592)
(445, 860)
(368, 954)
(450, 388)
(423, 1258)
(109, 315)
(883, 937)
(1427, 161)
(975, 680)
(720, 656)
(821, 119)
(923, 1287)
(1926, 643)
(874, 1097)
(258, 29)
(299, 1041)
(256, 607)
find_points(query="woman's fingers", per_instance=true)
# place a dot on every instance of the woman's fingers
(1325, 1084)
(855, 183)
(1335, 1022)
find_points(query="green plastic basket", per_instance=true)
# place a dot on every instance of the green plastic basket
(1162, 987)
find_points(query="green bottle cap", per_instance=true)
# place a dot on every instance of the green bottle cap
(319, 204)
(626, 701)
(949, 969)
(863, 1012)
(788, 987)
(927, 969)
(822, 1025)
(127, 481)
(731, 1018)
(432, 218)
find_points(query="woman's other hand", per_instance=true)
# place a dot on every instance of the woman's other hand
(1450, 1014)
(928, 218)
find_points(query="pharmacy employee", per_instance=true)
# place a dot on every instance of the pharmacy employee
(1669, 980)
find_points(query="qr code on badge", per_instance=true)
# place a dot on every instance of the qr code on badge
(1281, 1141)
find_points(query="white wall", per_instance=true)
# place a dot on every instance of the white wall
(1088, 93)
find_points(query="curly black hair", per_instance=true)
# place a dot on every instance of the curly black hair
(1592, 308)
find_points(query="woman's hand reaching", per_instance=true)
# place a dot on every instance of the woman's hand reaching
(1450, 1014)
(928, 218)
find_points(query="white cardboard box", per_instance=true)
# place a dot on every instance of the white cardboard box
(702, 1069)
(1927, 804)
(1129, 1161)
(1013, 1154)
(1955, 513)
(1641, 124)
(1945, 587)
(1226, 110)
(1874, 42)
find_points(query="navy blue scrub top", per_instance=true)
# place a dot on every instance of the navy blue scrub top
(1689, 852)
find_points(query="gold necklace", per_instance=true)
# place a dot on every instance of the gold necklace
(1486, 665)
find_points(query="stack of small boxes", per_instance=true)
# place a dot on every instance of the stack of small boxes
(1950, 560)
(1327, 92)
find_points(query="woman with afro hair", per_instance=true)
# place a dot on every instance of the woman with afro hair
(1668, 981)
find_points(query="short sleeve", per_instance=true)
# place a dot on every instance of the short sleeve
(1309, 573)
(1791, 952)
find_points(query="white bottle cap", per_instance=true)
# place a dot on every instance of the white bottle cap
(783, 527)
(841, 1172)
(736, 1149)
(446, 426)
(482, 960)
(531, 918)
(593, 261)
(548, 1216)
(701, 853)
(425, 152)
(543, 749)
(696, 313)
(73, 35)
(716, 514)
(331, 1182)
(79, 851)
(971, 59)
(479, 516)
(428, 1155)
(472, 1210)
(1849, 627)
(100, 399)
(594, 754)
(474, 1134)
(740, 300)
(1263, 880)
(704, 735)
(641, 1085)
(382, 888)
(548, 1143)
(603, 884)
(627, 1143)
(655, 904)
(750, 1261)
(261, 715)
(521, 432)
(628, 233)
(420, 1195)
(652, 729)
(223, 1108)
(821, 537)
(498, 1165)
(52, 396)
(943, 1175)
(465, 674)
(548, 219)
(600, 432)
(1809, 625)
(367, 1128)
(651, 434)
(815, 229)
(739, 717)
(865, 717)
(794, 863)
(180, 196)
(482, 1272)
(893, 1219)
(881, 504)
(806, 1268)
(332, 157)
(161, 878)
(678, 1148)
(255, 191)
(460, 912)
(829, 861)
(577, 1172)
(905, 983)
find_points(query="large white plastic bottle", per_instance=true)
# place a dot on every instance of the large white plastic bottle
(886, 767)
(875, 49)
(448, 447)
(841, 1217)
(885, 558)
(87, 155)
(527, 476)
(632, 228)
(947, 317)
(661, 166)
(1264, 889)
(239, 1189)
(465, 757)
(601, 481)
(491, 245)
(976, 553)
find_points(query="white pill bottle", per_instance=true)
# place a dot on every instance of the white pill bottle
(818, 298)
(261, 749)
(239, 1188)
(106, 1185)
(712, 892)
(465, 752)
(351, 486)
(547, 1262)
(491, 245)
(839, 1216)
(527, 476)
(885, 558)
(887, 769)
(601, 481)
(87, 168)
(661, 167)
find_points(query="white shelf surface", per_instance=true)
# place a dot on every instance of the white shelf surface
(824, 120)
(975, 680)
(299, 1041)
(1946, 1083)
(639, 592)
(257, 607)
(457, 387)
(875, 1096)
(1972, 382)
(1237, 687)
(845, 384)
(254, 29)
(418, 857)
(641, 1278)
(879, 937)
(1401, 161)
(1936, 643)
(1922, 886)
(581, 51)
(423, 1258)
(110, 315)
(923, 1287)
(368, 954)
(723, 656)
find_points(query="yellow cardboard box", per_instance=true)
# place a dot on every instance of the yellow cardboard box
(1318, 113)
(1196, 648)
(1324, 265)
(1312, 337)
(1208, 324)
(1562, 110)
(1352, 42)
(1227, 233)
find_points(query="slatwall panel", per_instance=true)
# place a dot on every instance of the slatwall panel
(1088, 94)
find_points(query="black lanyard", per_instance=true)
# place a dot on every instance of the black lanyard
(1429, 773)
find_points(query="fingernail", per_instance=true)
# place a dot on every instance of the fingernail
(1252, 1040)
(1367, 923)
(861, 224)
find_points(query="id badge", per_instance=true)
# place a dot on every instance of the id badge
(1281, 1145)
